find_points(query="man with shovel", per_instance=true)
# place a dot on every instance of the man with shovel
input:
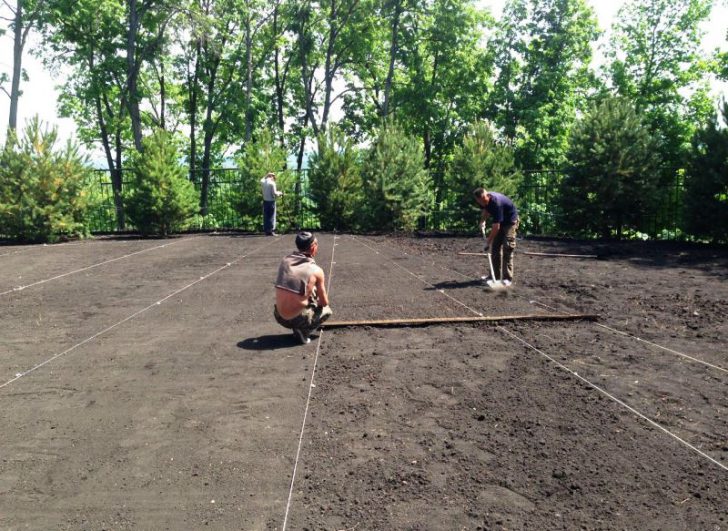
(302, 303)
(502, 237)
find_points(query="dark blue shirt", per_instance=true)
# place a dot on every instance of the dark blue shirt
(501, 209)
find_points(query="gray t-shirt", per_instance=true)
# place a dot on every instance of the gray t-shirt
(294, 272)
(268, 186)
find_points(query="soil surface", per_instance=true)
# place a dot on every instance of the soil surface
(145, 385)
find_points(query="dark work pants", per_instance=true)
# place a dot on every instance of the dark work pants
(504, 243)
(269, 216)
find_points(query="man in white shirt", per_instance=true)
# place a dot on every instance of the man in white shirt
(268, 186)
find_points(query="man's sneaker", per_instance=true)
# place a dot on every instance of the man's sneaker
(486, 279)
(507, 282)
(301, 336)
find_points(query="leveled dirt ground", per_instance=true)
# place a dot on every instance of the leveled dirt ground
(145, 385)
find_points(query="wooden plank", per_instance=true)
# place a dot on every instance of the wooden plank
(419, 321)
(563, 255)
(539, 254)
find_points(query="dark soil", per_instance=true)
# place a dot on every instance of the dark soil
(462, 427)
(156, 391)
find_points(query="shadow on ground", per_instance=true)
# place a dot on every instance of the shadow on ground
(454, 284)
(269, 342)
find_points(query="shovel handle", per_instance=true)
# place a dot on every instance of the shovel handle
(490, 263)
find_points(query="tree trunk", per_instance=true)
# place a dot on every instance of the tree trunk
(209, 130)
(18, 44)
(132, 73)
(393, 48)
(248, 80)
(114, 166)
(162, 94)
(113, 170)
(278, 82)
(193, 87)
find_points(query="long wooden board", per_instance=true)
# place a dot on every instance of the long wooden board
(418, 321)
(563, 255)
(539, 254)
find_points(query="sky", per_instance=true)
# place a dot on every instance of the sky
(39, 93)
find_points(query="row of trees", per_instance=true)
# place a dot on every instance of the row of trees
(614, 184)
(227, 76)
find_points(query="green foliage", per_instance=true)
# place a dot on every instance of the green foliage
(481, 160)
(657, 64)
(43, 196)
(706, 199)
(335, 181)
(542, 53)
(397, 188)
(161, 199)
(614, 175)
(259, 157)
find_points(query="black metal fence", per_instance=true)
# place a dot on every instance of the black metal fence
(297, 209)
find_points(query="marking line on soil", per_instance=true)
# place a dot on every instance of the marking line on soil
(308, 398)
(686, 356)
(20, 375)
(614, 398)
(627, 334)
(40, 246)
(20, 288)
(476, 312)
(604, 392)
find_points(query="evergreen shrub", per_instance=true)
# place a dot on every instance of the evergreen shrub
(398, 191)
(259, 157)
(612, 185)
(335, 181)
(481, 160)
(706, 183)
(43, 189)
(161, 199)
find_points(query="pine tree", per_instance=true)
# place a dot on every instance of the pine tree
(43, 194)
(335, 181)
(613, 180)
(161, 199)
(397, 188)
(260, 156)
(480, 161)
(706, 197)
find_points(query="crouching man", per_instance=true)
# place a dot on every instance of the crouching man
(302, 303)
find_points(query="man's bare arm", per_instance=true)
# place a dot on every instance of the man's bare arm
(323, 296)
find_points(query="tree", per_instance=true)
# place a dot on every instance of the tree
(260, 156)
(706, 183)
(25, 15)
(161, 199)
(335, 181)
(613, 178)
(482, 160)
(397, 188)
(656, 63)
(42, 187)
(87, 36)
(543, 51)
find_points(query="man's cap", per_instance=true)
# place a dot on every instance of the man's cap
(304, 240)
